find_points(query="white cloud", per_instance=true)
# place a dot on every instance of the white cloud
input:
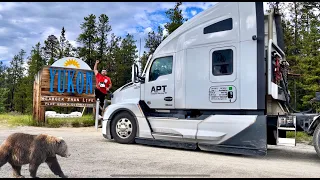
(26, 24)
(162, 24)
(193, 12)
(165, 5)
(3, 30)
(147, 30)
(71, 36)
(3, 50)
(316, 12)
(7, 6)
(49, 31)
(201, 5)
(33, 33)
(164, 32)
(1, 17)
(157, 17)
(142, 20)
(131, 30)
(25, 66)
(73, 43)
(185, 14)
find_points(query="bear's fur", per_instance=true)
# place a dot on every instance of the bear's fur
(21, 148)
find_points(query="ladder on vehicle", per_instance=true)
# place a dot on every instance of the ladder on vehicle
(286, 123)
(98, 107)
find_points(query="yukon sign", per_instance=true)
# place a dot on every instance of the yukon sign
(69, 82)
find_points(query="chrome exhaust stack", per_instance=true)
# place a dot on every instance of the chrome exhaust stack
(270, 24)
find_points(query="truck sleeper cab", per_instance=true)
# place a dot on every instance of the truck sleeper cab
(209, 85)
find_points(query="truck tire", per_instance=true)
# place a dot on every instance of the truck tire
(124, 128)
(316, 140)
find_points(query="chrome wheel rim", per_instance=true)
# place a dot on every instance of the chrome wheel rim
(124, 128)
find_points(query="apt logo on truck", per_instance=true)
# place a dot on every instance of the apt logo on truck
(159, 89)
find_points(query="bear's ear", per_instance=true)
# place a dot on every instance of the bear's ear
(59, 139)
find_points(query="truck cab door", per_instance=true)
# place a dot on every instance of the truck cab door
(159, 83)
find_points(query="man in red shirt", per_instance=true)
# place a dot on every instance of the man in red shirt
(103, 84)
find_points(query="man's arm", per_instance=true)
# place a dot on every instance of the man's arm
(110, 85)
(95, 67)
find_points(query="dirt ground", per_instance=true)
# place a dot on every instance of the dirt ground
(93, 156)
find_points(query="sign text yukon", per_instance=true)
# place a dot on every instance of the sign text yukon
(66, 78)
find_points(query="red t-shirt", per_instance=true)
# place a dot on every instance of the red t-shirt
(102, 82)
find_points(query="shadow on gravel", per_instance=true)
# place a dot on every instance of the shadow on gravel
(278, 154)
(284, 154)
(272, 154)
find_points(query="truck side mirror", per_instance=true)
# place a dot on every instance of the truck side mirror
(135, 73)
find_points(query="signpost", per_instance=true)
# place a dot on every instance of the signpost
(69, 82)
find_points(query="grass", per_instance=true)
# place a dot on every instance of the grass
(16, 120)
(26, 120)
(302, 137)
(83, 121)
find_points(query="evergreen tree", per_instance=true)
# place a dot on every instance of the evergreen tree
(4, 92)
(3, 69)
(309, 54)
(111, 64)
(62, 43)
(175, 21)
(103, 31)
(144, 59)
(154, 39)
(36, 61)
(20, 97)
(175, 17)
(88, 39)
(128, 54)
(51, 49)
(16, 73)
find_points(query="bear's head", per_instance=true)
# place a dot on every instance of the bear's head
(62, 148)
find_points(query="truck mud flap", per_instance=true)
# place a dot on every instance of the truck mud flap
(166, 143)
(252, 141)
(108, 133)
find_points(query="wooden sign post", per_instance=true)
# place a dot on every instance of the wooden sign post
(69, 82)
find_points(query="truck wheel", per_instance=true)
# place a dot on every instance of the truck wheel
(316, 140)
(124, 128)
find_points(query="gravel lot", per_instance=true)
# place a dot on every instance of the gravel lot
(93, 156)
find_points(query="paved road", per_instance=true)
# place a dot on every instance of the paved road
(95, 157)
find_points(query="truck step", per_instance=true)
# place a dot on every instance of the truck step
(286, 123)
(287, 128)
(286, 142)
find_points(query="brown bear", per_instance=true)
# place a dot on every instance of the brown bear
(21, 148)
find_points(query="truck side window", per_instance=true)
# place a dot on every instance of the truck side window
(160, 67)
(223, 25)
(222, 62)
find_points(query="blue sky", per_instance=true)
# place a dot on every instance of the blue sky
(23, 24)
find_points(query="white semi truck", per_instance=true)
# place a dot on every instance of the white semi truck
(217, 83)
